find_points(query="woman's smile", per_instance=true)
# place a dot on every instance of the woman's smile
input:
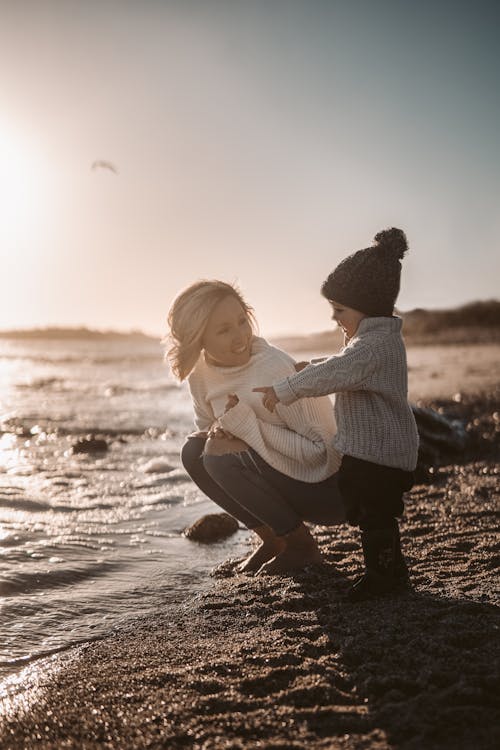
(240, 349)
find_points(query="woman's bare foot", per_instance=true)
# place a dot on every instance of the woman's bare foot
(264, 552)
(300, 549)
(270, 547)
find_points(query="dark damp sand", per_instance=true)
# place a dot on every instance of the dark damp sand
(288, 663)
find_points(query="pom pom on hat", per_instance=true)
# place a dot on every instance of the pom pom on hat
(392, 240)
(369, 279)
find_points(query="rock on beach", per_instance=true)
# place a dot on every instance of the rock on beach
(89, 444)
(212, 527)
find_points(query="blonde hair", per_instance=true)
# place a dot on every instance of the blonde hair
(188, 317)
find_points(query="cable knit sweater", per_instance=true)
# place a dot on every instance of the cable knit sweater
(296, 440)
(370, 379)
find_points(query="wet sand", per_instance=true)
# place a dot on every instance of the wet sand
(287, 662)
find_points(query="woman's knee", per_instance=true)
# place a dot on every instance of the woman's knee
(221, 467)
(191, 452)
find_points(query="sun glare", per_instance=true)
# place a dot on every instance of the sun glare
(22, 190)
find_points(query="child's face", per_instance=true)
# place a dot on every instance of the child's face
(228, 336)
(346, 317)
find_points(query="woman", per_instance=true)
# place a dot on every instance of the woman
(271, 471)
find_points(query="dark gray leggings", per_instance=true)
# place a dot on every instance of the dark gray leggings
(245, 486)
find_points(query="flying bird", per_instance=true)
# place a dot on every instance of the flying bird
(101, 164)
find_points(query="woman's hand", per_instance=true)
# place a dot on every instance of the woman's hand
(221, 441)
(202, 434)
(216, 432)
(270, 398)
(232, 400)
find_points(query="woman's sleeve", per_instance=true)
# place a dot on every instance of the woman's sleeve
(203, 414)
(310, 417)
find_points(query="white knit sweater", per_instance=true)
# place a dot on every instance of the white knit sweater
(370, 379)
(296, 440)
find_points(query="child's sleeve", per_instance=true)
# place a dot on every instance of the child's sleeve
(347, 371)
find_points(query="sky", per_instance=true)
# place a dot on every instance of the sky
(255, 141)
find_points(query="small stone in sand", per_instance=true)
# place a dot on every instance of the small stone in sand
(212, 527)
(89, 444)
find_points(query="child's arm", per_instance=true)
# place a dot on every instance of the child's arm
(346, 371)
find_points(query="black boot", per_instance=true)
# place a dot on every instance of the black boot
(386, 569)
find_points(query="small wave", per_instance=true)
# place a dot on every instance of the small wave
(156, 465)
(11, 666)
(10, 490)
(64, 474)
(148, 484)
(72, 359)
(17, 503)
(163, 500)
(39, 506)
(77, 541)
(40, 359)
(25, 427)
(95, 506)
(13, 540)
(158, 387)
(123, 359)
(39, 384)
(15, 584)
(119, 389)
(177, 475)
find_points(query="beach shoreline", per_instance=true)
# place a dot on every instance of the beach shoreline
(288, 662)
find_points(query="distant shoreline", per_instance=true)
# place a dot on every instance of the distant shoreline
(74, 334)
(474, 323)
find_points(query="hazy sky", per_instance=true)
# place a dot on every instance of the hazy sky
(257, 141)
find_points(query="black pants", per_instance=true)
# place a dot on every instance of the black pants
(372, 493)
(245, 486)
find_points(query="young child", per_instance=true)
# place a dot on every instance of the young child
(377, 434)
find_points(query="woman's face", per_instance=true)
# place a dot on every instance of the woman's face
(347, 318)
(227, 340)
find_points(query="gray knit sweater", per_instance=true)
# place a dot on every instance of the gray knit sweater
(370, 379)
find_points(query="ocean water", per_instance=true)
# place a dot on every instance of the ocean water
(88, 542)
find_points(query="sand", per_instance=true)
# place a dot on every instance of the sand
(268, 662)
(445, 371)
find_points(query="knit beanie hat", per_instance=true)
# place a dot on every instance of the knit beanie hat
(369, 279)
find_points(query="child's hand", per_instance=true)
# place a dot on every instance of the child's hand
(232, 400)
(300, 366)
(270, 398)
